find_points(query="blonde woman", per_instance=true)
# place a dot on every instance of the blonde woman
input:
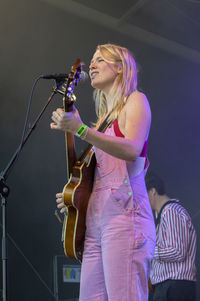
(120, 234)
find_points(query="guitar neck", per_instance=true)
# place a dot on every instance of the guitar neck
(70, 152)
(68, 100)
(69, 144)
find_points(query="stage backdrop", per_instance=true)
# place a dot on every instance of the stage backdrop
(39, 37)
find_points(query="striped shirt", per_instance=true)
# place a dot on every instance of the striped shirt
(175, 250)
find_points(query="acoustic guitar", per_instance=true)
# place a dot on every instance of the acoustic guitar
(76, 192)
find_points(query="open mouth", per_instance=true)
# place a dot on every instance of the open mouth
(93, 74)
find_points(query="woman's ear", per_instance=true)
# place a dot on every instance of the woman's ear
(119, 69)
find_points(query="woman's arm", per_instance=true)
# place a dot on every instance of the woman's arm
(136, 128)
(137, 124)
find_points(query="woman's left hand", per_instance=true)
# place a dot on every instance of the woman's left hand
(66, 121)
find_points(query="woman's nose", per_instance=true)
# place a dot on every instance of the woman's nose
(92, 65)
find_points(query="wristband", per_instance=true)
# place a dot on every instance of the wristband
(81, 130)
(84, 135)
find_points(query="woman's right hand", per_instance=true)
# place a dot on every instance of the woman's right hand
(60, 203)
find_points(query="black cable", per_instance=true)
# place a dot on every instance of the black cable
(28, 113)
(23, 137)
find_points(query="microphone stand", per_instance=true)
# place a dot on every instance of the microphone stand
(4, 190)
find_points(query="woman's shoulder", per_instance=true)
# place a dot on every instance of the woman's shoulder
(137, 99)
(137, 96)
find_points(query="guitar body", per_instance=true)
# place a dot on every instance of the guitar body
(76, 194)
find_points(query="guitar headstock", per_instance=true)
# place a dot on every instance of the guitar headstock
(71, 82)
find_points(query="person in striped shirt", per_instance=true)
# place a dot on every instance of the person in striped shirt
(173, 272)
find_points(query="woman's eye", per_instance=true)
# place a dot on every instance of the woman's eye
(97, 60)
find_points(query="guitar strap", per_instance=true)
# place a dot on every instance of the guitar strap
(105, 124)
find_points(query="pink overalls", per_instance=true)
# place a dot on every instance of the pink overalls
(120, 234)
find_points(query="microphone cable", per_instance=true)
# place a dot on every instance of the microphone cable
(28, 114)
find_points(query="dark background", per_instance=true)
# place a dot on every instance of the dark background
(39, 37)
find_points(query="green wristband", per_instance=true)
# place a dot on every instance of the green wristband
(81, 130)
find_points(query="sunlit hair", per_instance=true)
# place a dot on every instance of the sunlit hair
(124, 84)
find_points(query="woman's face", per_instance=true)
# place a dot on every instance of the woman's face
(102, 74)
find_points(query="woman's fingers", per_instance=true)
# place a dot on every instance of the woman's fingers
(59, 201)
(59, 195)
(66, 121)
(60, 111)
(63, 210)
(61, 120)
(60, 204)
(54, 126)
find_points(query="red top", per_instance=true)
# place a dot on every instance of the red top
(118, 133)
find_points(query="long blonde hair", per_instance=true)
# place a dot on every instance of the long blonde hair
(124, 84)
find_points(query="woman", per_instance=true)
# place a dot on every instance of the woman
(120, 234)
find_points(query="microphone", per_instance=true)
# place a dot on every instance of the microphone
(61, 76)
